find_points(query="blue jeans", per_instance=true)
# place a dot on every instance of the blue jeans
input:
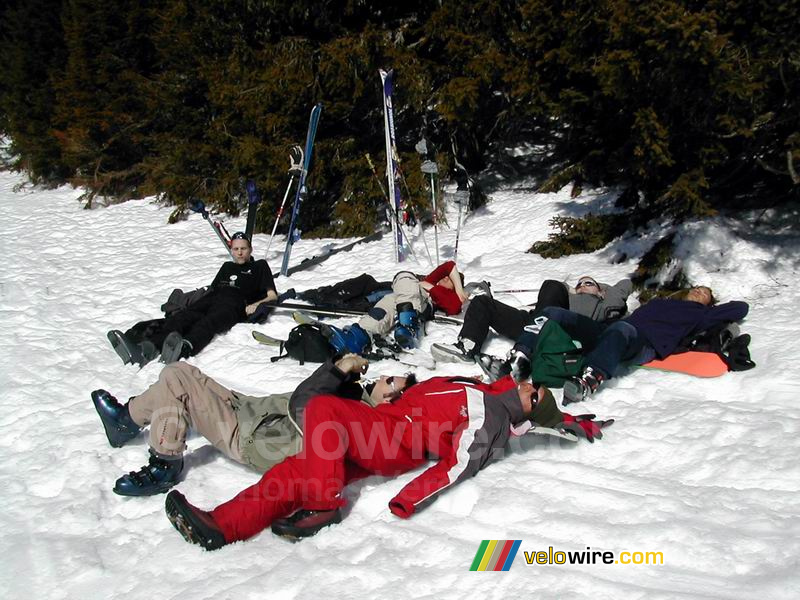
(604, 345)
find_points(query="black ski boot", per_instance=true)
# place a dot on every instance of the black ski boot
(120, 428)
(148, 351)
(578, 389)
(125, 348)
(195, 525)
(175, 348)
(156, 477)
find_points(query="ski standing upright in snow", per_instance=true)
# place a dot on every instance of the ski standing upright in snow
(392, 172)
(253, 200)
(294, 234)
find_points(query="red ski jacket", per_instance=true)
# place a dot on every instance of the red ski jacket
(463, 423)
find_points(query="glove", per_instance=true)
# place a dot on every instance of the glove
(262, 312)
(585, 426)
(737, 355)
(352, 363)
(296, 161)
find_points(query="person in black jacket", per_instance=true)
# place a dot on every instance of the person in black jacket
(236, 291)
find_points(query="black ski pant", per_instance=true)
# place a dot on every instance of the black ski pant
(198, 323)
(484, 313)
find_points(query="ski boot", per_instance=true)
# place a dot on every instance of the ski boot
(408, 329)
(351, 338)
(148, 351)
(305, 523)
(463, 351)
(175, 348)
(494, 367)
(519, 363)
(120, 428)
(125, 348)
(195, 525)
(156, 477)
(578, 389)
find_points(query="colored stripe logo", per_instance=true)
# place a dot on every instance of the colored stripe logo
(495, 555)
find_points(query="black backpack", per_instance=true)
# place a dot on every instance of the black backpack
(306, 343)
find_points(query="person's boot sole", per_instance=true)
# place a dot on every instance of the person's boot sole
(293, 533)
(185, 522)
(572, 393)
(443, 354)
(171, 350)
(126, 350)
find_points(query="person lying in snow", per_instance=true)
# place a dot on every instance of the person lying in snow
(258, 431)
(411, 302)
(236, 291)
(462, 423)
(654, 330)
(597, 301)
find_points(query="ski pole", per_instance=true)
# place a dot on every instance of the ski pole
(408, 194)
(296, 165)
(392, 212)
(514, 291)
(199, 206)
(431, 168)
(464, 186)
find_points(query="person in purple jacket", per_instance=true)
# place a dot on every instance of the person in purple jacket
(654, 330)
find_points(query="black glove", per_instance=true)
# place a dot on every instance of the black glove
(262, 312)
(737, 354)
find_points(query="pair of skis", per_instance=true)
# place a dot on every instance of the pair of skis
(392, 166)
(429, 167)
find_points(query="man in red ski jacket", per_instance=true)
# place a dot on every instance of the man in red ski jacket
(462, 423)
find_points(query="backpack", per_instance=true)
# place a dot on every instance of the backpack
(556, 358)
(306, 342)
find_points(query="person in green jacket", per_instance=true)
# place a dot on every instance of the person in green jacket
(258, 431)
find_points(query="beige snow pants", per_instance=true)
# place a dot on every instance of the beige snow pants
(182, 398)
(405, 288)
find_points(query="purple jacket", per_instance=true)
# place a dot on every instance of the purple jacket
(664, 323)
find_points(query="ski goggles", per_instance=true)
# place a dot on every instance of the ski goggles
(586, 283)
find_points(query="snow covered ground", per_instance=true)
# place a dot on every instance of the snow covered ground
(703, 471)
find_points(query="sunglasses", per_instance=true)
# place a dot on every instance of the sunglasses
(587, 283)
(390, 381)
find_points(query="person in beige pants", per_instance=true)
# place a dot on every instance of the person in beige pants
(258, 431)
